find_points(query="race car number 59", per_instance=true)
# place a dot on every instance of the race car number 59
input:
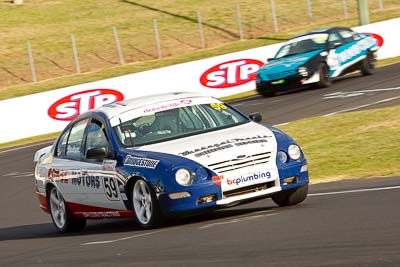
(110, 187)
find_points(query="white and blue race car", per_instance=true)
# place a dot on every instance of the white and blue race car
(315, 58)
(165, 155)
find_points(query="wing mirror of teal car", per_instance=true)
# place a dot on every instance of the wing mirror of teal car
(336, 44)
(256, 117)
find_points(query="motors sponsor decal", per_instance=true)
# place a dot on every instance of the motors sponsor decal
(248, 178)
(89, 181)
(202, 151)
(231, 73)
(169, 105)
(71, 106)
(141, 162)
(377, 37)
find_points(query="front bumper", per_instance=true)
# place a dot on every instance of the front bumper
(283, 84)
(297, 174)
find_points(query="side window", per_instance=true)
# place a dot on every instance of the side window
(356, 36)
(96, 136)
(75, 139)
(346, 35)
(334, 39)
(62, 144)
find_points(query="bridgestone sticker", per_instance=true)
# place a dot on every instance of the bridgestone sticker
(141, 162)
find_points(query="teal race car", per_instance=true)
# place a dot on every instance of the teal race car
(315, 58)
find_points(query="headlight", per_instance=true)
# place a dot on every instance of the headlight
(294, 152)
(303, 71)
(184, 177)
(282, 156)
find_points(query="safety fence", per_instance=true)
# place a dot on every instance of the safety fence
(170, 32)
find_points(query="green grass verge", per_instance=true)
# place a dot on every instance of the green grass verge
(357, 144)
(29, 140)
(14, 29)
(350, 145)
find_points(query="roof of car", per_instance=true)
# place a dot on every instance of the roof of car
(116, 108)
(322, 30)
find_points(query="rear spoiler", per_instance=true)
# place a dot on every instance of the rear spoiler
(41, 152)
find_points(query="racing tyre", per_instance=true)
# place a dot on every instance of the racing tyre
(324, 78)
(262, 89)
(368, 64)
(62, 217)
(145, 205)
(291, 196)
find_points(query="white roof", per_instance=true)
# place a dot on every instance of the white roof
(111, 110)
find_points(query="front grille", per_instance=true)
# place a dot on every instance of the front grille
(249, 189)
(280, 75)
(235, 164)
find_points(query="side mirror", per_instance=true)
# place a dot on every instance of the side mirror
(97, 153)
(336, 44)
(256, 117)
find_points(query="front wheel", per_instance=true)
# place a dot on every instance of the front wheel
(61, 215)
(266, 93)
(368, 64)
(262, 89)
(291, 197)
(145, 205)
(324, 78)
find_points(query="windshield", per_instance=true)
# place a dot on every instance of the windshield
(176, 123)
(303, 44)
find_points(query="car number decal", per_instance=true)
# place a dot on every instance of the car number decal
(218, 106)
(110, 188)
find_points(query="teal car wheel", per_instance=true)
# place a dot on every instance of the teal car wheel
(324, 78)
(368, 64)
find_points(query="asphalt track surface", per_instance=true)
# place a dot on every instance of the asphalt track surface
(346, 223)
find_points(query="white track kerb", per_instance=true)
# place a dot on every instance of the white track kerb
(219, 76)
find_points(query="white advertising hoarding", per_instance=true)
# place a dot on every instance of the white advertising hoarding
(217, 76)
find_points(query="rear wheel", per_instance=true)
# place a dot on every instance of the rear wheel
(291, 197)
(145, 205)
(61, 215)
(368, 64)
(324, 78)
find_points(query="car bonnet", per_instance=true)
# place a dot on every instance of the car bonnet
(234, 143)
(288, 63)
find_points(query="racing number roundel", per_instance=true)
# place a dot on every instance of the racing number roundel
(231, 73)
(71, 106)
